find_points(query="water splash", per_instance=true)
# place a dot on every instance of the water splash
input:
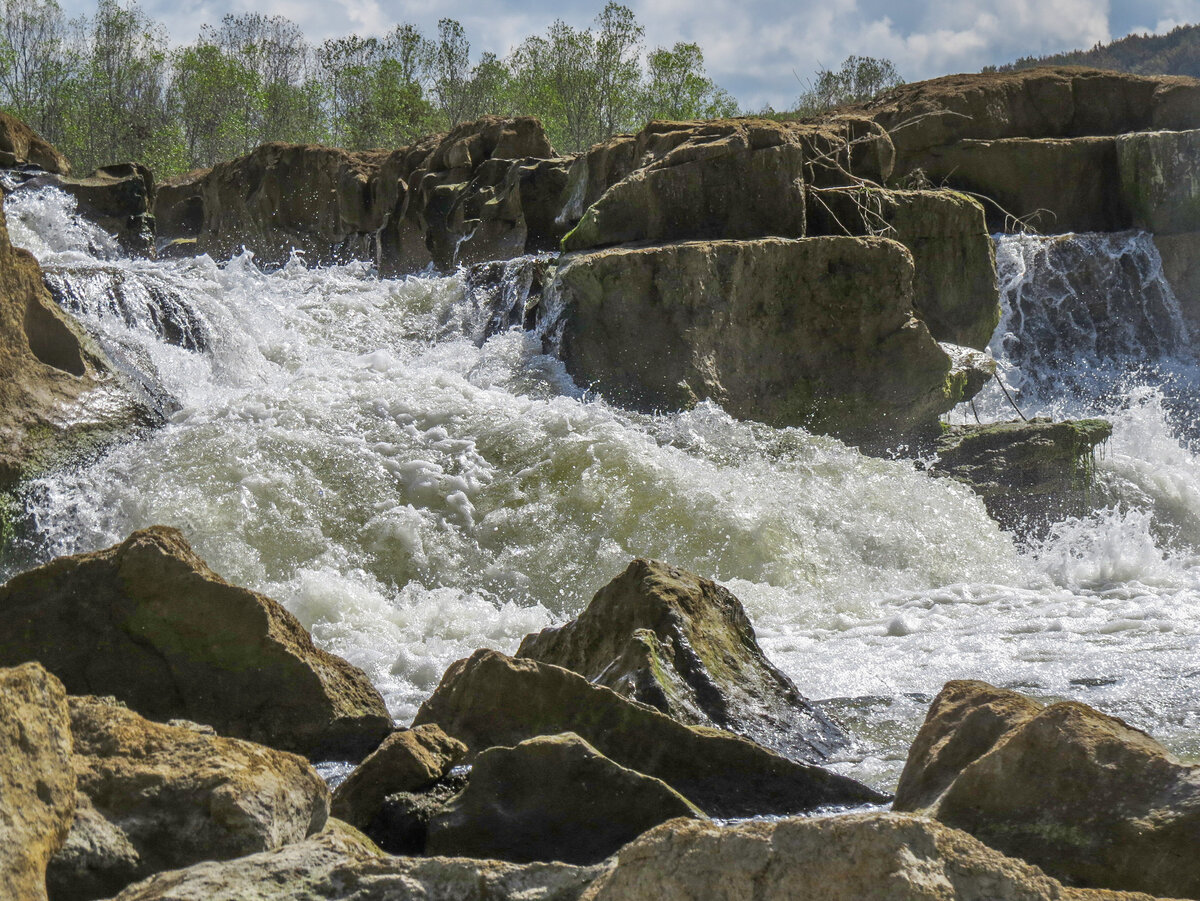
(415, 480)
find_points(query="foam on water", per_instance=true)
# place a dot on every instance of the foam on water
(345, 445)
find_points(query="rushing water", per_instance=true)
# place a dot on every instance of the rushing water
(412, 489)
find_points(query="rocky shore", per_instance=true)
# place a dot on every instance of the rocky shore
(160, 728)
(522, 778)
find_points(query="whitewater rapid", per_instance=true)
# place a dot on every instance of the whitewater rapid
(345, 445)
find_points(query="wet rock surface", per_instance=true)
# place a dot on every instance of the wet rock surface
(553, 797)
(684, 645)
(490, 700)
(406, 761)
(1029, 473)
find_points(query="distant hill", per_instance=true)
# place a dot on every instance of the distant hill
(1175, 53)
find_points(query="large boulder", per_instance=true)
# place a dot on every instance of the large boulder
(1029, 473)
(407, 761)
(863, 857)
(1085, 796)
(490, 700)
(20, 145)
(954, 260)
(342, 865)
(813, 332)
(48, 370)
(1160, 179)
(553, 797)
(280, 197)
(162, 796)
(37, 785)
(684, 645)
(148, 622)
(966, 720)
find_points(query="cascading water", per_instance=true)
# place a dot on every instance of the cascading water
(414, 483)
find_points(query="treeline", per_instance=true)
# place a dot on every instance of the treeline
(110, 87)
(1174, 53)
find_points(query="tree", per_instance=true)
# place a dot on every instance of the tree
(677, 88)
(859, 78)
(452, 71)
(36, 64)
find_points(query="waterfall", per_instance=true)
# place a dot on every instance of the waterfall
(403, 465)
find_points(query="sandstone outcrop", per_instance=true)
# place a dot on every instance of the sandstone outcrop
(1029, 474)
(159, 796)
(148, 622)
(684, 645)
(341, 865)
(406, 761)
(1059, 149)
(486, 190)
(20, 145)
(37, 786)
(553, 797)
(813, 332)
(490, 700)
(47, 369)
(863, 857)
(1088, 798)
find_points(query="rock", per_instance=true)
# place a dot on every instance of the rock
(863, 857)
(812, 332)
(1053, 185)
(482, 191)
(179, 206)
(37, 786)
(684, 645)
(553, 797)
(954, 261)
(48, 371)
(737, 192)
(736, 178)
(1180, 256)
(1091, 800)
(1047, 102)
(407, 761)
(158, 797)
(341, 865)
(149, 622)
(490, 700)
(280, 197)
(1160, 179)
(966, 720)
(1029, 474)
(402, 824)
(118, 198)
(20, 145)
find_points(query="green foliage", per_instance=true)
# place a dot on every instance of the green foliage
(108, 88)
(1174, 53)
(859, 78)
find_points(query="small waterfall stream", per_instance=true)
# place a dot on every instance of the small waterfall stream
(402, 466)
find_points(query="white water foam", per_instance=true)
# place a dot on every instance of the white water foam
(345, 446)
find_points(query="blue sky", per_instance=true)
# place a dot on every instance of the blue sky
(759, 50)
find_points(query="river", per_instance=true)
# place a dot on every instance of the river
(345, 445)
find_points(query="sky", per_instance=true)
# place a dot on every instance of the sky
(761, 51)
